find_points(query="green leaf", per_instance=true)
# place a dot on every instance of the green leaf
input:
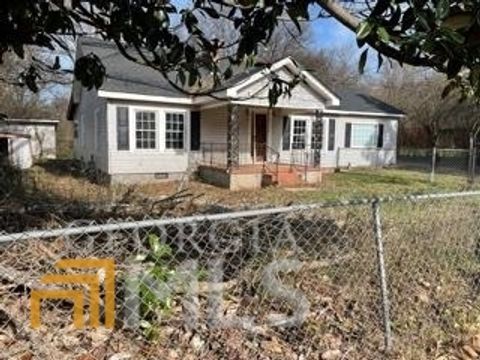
(456, 37)
(363, 61)
(154, 242)
(364, 29)
(383, 34)
(443, 8)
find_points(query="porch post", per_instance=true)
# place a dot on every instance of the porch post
(317, 143)
(233, 136)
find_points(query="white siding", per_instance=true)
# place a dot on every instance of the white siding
(213, 133)
(20, 150)
(343, 157)
(302, 95)
(42, 143)
(90, 119)
(340, 156)
(146, 161)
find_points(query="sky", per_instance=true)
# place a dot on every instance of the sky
(329, 33)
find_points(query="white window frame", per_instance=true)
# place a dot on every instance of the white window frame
(308, 131)
(186, 120)
(133, 135)
(160, 128)
(353, 146)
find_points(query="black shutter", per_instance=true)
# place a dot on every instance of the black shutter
(348, 135)
(380, 136)
(331, 134)
(286, 133)
(195, 130)
(123, 128)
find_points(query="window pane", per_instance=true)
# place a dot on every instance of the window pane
(364, 135)
(174, 131)
(299, 134)
(145, 131)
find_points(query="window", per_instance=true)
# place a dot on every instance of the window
(174, 131)
(364, 135)
(331, 134)
(145, 130)
(299, 133)
(123, 129)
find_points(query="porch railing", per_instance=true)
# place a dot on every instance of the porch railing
(215, 154)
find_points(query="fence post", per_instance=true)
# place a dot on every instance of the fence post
(377, 225)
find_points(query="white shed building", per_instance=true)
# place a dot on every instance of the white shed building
(22, 141)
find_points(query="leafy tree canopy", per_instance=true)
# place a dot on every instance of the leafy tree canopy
(443, 35)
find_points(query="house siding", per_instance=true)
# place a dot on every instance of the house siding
(302, 96)
(143, 161)
(359, 157)
(90, 119)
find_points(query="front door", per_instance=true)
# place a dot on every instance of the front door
(259, 137)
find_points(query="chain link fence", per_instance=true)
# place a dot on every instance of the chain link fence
(451, 161)
(365, 279)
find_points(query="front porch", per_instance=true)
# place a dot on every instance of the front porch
(247, 177)
(262, 147)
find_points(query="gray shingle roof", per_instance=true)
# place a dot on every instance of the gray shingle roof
(126, 76)
(355, 101)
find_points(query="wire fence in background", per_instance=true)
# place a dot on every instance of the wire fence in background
(365, 279)
(456, 161)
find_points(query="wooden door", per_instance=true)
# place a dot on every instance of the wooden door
(259, 137)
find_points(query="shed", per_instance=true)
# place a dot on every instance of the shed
(22, 141)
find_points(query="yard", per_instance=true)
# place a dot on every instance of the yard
(59, 182)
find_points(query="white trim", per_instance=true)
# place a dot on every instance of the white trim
(328, 112)
(158, 146)
(232, 92)
(32, 121)
(186, 130)
(308, 130)
(375, 124)
(151, 98)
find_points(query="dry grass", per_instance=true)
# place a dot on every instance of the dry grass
(57, 183)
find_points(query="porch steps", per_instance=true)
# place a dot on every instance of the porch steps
(286, 176)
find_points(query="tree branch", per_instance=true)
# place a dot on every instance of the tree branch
(350, 21)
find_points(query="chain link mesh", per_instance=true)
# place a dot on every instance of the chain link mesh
(287, 283)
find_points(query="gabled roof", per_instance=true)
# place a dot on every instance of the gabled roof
(124, 76)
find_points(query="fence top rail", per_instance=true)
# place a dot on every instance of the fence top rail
(128, 225)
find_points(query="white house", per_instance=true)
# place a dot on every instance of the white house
(22, 141)
(137, 127)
